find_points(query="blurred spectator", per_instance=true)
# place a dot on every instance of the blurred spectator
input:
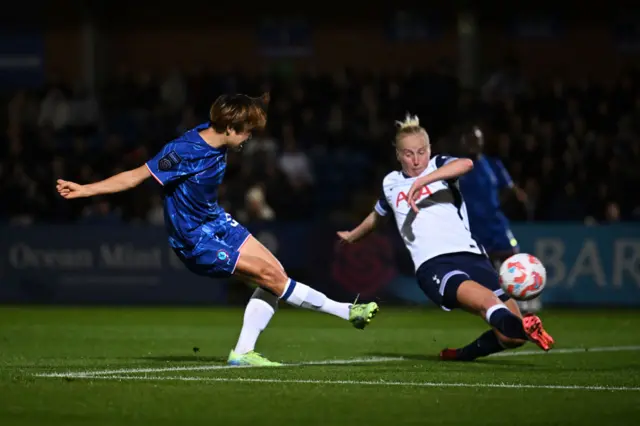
(155, 215)
(260, 149)
(612, 213)
(574, 146)
(188, 121)
(295, 164)
(173, 91)
(84, 112)
(566, 206)
(22, 111)
(54, 110)
(100, 212)
(505, 82)
(256, 207)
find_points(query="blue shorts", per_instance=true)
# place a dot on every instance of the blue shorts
(217, 254)
(441, 276)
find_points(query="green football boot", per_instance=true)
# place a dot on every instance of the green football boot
(360, 315)
(252, 358)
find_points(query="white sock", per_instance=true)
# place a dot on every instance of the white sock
(303, 296)
(257, 315)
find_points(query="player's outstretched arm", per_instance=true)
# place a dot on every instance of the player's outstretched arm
(371, 222)
(117, 183)
(451, 170)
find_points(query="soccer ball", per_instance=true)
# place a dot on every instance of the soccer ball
(523, 276)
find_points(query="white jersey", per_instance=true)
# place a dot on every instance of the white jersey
(441, 226)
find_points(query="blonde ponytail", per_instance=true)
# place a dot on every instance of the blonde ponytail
(409, 121)
(409, 126)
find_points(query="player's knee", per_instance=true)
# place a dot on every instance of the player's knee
(271, 276)
(475, 297)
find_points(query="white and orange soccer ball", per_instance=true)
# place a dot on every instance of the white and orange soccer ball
(523, 276)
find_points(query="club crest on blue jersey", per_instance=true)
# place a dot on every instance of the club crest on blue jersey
(222, 256)
(169, 161)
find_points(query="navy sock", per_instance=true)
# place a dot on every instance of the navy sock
(506, 322)
(484, 345)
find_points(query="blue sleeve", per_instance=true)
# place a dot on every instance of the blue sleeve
(382, 206)
(504, 179)
(175, 160)
(441, 160)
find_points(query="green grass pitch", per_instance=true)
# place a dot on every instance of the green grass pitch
(137, 366)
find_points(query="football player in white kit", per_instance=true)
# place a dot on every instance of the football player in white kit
(451, 267)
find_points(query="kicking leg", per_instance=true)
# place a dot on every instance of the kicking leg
(475, 298)
(275, 280)
(453, 281)
(490, 342)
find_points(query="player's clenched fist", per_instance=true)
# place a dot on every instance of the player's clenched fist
(71, 189)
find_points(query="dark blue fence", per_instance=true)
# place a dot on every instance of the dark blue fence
(134, 265)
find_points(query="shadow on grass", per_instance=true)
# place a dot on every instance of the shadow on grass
(435, 358)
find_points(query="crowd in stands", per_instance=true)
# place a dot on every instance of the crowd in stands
(573, 146)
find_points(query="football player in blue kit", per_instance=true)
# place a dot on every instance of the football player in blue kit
(206, 238)
(482, 188)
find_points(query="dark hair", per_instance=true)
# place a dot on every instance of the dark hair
(239, 112)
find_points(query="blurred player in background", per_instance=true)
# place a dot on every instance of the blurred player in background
(206, 238)
(452, 269)
(483, 188)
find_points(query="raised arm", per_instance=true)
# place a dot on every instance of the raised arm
(117, 183)
(451, 168)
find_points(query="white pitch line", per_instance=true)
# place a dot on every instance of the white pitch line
(214, 367)
(87, 374)
(364, 382)
(570, 351)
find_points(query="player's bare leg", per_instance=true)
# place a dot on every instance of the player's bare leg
(275, 280)
(510, 329)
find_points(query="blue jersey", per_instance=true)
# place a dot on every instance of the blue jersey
(481, 191)
(190, 172)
